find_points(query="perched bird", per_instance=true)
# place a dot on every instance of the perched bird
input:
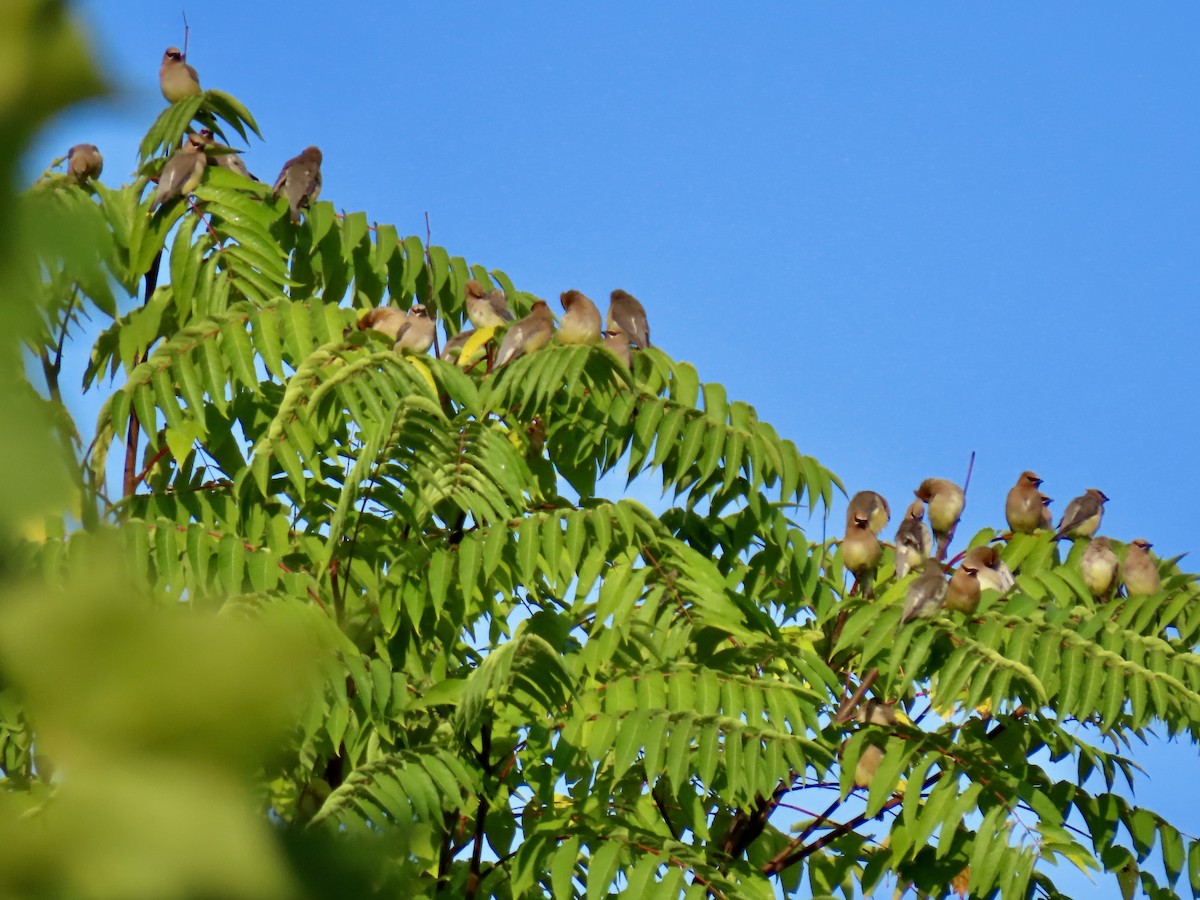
(618, 343)
(580, 323)
(860, 553)
(962, 593)
(992, 571)
(1141, 571)
(1098, 566)
(486, 309)
(1023, 508)
(84, 162)
(176, 79)
(1082, 516)
(416, 334)
(223, 156)
(872, 506)
(876, 712)
(914, 541)
(627, 315)
(868, 765)
(526, 335)
(1047, 520)
(182, 172)
(945, 500)
(926, 594)
(300, 180)
(387, 320)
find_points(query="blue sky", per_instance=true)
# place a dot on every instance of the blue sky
(902, 233)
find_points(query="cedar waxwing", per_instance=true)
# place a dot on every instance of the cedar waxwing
(861, 552)
(871, 505)
(1082, 516)
(176, 79)
(1141, 571)
(868, 765)
(416, 334)
(300, 180)
(914, 541)
(225, 157)
(962, 593)
(84, 163)
(526, 335)
(1098, 566)
(580, 323)
(183, 170)
(1023, 508)
(618, 343)
(946, 500)
(455, 345)
(486, 309)
(876, 712)
(991, 570)
(1047, 520)
(387, 320)
(627, 315)
(926, 594)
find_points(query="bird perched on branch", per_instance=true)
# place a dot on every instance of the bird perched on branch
(224, 156)
(416, 333)
(1098, 565)
(387, 320)
(176, 79)
(945, 500)
(914, 541)
(991, 570)
(84, 163)
(486, 309)
(1047, 520)
(1023, 508)
(618, 343)
(183, 171)
(861, 552)
(1082, 516)
(871, 505)
(526, 335)
(1141, 571)
(626, 314)
(580, 323)
(926, 594)
(962, 593)
(300, 180)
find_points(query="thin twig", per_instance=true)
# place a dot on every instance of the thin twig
(846, 711)
(186, 30)
(485, 749)
(437, 350)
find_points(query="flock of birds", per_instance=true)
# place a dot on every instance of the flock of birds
(412, 331)
(921, 546)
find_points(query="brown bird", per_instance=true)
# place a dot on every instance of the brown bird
(1023, 508)
(1098, 565)
(176, 79)
(454, 346)
(1047, 520)
(416, 334)
(300, 180)
(526, 335)
(486, 309)
(618, 343)
(873, 712)
(1141, 571)
(962, 594)
(946, 501)
(224, 156)
(182, 173)
(914, 541)
(876, 712)
(926, 594)
(84, 162)
(871, 505)
(991, 570)
(626, 314)
(580, 323)
(1082, 516)
(387, 320)
(867, 766)
(860, 553)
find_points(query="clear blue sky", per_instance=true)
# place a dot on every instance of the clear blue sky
(902, 233)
